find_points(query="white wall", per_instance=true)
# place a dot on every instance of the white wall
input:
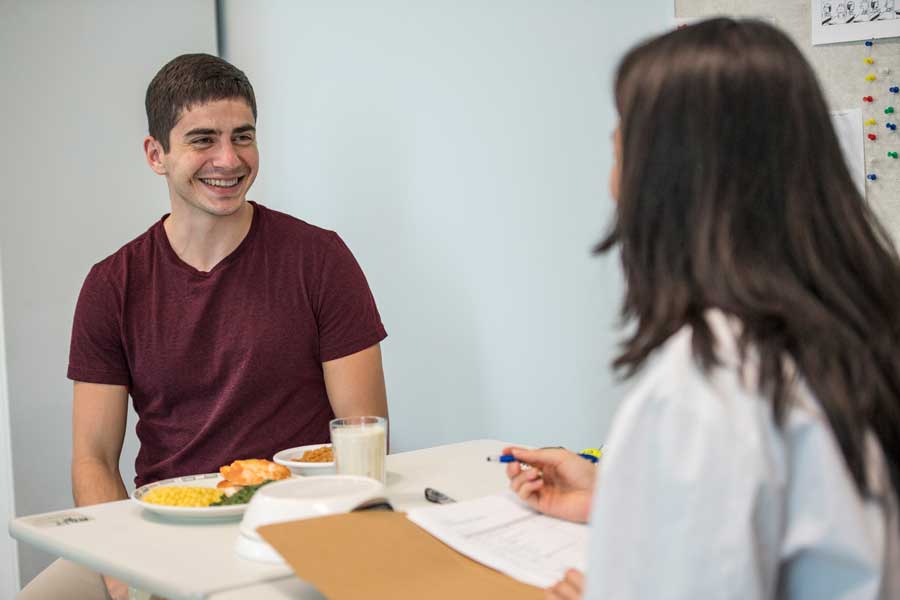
(76, 188)
(462, 150)
(9, 560)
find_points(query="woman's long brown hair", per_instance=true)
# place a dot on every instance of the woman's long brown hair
(734, 195)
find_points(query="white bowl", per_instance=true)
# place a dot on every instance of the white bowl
(302, 498)
(304, 468)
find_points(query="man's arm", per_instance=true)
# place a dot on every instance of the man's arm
(355, 384)
(99, 414)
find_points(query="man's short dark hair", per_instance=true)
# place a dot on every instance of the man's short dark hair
(187, 81)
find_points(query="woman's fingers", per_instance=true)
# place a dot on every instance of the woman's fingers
(531, 457)
(529, 488)
(522, 478)
(570, 588)
(576, 579)
(561, 591)
(550, 594)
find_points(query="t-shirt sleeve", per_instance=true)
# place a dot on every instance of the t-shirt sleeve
(682, 508)
(347, 317)
(96, 354)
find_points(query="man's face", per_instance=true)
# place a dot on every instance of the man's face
(212, 159)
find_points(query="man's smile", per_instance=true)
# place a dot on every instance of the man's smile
(221, 183)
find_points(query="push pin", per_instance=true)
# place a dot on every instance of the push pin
(872, 137)
(894, 89)
(891, 126)
(871, 176)
(870, 121)
(889, 110)
(892, 154)
(871, 77)
(869, 43)
(868, 99)
(868, 60)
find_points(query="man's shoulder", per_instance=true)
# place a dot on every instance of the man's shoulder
(132, 255)
(285, 227)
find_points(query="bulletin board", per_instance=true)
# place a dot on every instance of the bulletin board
(850, 73)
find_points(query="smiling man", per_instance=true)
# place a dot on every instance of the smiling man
(237, 330)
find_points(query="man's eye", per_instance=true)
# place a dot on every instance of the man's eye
(202, 141)
(245, 138)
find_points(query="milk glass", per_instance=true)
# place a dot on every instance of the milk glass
(360, 446)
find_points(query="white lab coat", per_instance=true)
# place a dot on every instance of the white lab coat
(701, 496)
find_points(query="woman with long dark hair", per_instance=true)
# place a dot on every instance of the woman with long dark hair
(758, 455)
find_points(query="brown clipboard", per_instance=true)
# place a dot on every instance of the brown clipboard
(383, 555)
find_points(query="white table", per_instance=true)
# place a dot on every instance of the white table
(186, 560)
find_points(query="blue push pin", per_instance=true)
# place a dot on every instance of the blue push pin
(870, 43)
(894, 89)
(891, 126)
(871, 177)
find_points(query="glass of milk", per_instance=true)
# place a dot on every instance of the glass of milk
(360, 445)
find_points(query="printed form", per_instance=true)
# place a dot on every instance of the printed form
(503, 533)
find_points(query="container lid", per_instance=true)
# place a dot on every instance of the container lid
(304, 498)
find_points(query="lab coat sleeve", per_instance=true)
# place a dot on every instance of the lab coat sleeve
(688, 502)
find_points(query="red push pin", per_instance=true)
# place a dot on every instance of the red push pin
(872, 136)
(868, 99)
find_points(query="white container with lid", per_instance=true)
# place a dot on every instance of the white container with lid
(302, 498)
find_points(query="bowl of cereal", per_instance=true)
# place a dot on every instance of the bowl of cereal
(314, 459)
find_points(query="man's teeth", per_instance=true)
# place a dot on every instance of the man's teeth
(220, 182)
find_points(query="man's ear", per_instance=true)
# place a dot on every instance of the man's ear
(153, 151)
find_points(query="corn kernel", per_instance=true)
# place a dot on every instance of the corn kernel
(173, 495)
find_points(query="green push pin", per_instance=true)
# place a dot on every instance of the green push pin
(892, 154)
(889, 110)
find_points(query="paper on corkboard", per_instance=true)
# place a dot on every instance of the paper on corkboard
(382, 555)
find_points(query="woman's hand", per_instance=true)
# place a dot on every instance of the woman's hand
(559, 483)
(117, 590)
(570, 588)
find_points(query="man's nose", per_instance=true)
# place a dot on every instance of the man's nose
(227, 156)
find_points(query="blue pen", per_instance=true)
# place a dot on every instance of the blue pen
(508, 458)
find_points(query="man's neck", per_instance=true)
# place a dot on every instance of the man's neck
(202, 240)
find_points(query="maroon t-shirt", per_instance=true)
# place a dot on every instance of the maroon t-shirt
(226, 364)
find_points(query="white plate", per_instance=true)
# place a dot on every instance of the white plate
(303, 468)
(208, 480)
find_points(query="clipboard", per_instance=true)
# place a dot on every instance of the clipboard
(384, 556)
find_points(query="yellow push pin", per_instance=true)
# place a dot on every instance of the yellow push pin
(871, 77)
(870, 121)
(592, 454)
(869, 60)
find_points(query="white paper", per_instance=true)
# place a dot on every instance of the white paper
(849, 129)
(853, 20)
(501, 532)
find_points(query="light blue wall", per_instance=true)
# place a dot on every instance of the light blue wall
(462, 149)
